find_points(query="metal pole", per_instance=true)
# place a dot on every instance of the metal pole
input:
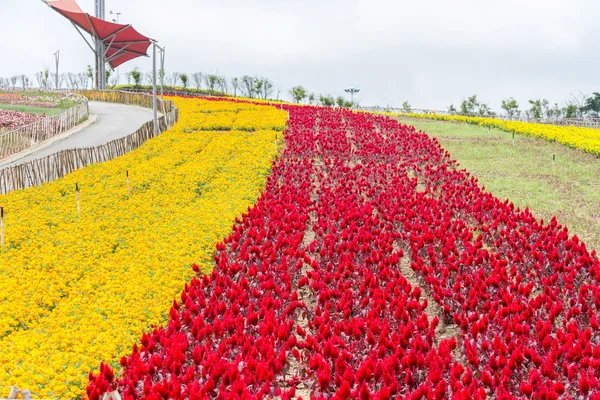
(154, 88)
(162, 73)
(96, 14)
(100, 61)
(57, 58)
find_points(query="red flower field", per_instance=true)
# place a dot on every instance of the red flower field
(374, 267)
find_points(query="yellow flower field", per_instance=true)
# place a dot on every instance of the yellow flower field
(75, 290)
(587, 139)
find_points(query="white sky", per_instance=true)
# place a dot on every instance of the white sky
(429, 52)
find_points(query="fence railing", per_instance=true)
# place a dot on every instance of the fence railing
(24, 137)
(57, 165)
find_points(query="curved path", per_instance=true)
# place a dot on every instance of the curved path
(114, 121)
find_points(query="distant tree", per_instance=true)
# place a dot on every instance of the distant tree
(223, 84)
(341, 102)
(469, 106)
(452, 110)
(326, 100)
(24, 81)
(39, 77)
(73, 81)
(46, 79)
(311, 98)
(485, 110)
(571, 111)
(174, 78)
(247, 86)
(136, 75)
(211, 81)
(13, 81)
(197, 78)
(258, 86)
(184, 80)
(235, 83)
(554, 112)
(538, 108)
(161, 75)
(108, 72)
(298, 93)
(406, 107)
(90, 76)
(84, 78)
(511, 106)
(592, 104)
(148, 78)
(267, 88)
(52, 78)
(62, 80)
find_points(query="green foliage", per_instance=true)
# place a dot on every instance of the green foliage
(341, 102)
(571, 111)
(211, 82)
(298, 94)
(184, 80)
(326, 100)
(538, 108)
(468, 106)
(406, 107)
(511, 106)
(592, 104)
(136, 75)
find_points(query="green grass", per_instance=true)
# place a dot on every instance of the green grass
(523, 173)
(34, 110)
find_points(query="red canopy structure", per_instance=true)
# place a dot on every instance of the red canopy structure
(115, 44)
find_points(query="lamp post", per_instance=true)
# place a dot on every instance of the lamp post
(100, 59)
(155, 47)
(116, 21)
(162, 70)
(352, 90)
(57, 59)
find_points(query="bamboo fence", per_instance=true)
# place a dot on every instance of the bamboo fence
(27, 136)
(57, 165)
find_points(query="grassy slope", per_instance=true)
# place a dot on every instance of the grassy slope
(523, 173)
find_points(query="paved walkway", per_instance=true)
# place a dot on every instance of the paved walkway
(114, 121)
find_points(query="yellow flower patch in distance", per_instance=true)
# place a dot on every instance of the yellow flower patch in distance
(75, 290)
(587, 139)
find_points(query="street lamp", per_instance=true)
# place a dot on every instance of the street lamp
(57, 59)
(116, 21)
(352, 90)
(115, 13)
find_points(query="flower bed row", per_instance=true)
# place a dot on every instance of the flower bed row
(587, 139)
(73, 290)
(310, 298)
(10, 119)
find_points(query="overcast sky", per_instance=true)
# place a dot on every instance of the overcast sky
(429, 52)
